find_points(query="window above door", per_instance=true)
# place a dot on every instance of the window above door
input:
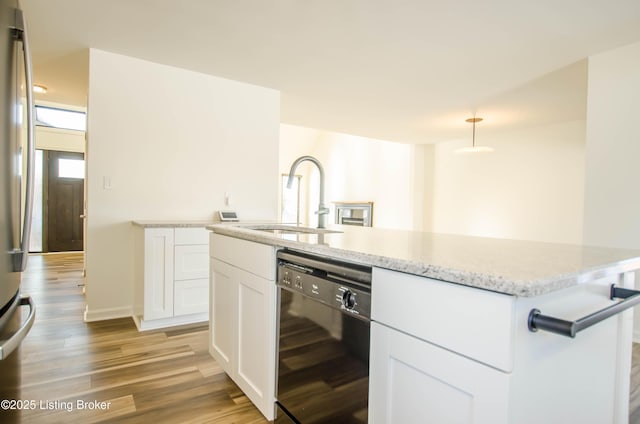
(61, 118)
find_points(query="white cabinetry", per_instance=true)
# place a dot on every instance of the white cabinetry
(191, 272)
(242, 326)
(172, 285)
(413, 381)
(158, 273)
(447, 353)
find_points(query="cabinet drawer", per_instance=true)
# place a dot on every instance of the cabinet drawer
(191, 262)
(191, 297)
(472, 322)
(191, 236)
(256, 258)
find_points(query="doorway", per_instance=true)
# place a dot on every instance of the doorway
(63, 201)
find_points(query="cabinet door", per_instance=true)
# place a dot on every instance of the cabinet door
(256, 340)
(223, 315)
(158, 273)
(242, 317)
(413, 381)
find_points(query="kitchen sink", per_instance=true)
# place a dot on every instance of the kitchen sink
(290, 229)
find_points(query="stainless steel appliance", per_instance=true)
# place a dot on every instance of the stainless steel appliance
(15, 213)
(354, 213)
(323, 340)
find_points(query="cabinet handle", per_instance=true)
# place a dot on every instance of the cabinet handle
(14, 341)
(21, 254)
(537, 321)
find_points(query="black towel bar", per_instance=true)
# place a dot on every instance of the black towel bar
(537, 321)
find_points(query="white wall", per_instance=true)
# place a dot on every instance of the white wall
(363, 169)
(59, 139)
(530, 187)
(172, 142)
(612, 204)
(424, 186)
(358, 169)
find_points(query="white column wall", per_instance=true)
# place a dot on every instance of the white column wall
(171, 142)
(612, 206)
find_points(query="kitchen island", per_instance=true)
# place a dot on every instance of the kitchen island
(453, 333)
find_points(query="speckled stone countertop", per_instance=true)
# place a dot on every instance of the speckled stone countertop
(515, 267)
(170, 224)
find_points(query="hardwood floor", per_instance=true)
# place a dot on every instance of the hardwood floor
(152, 377)
(155, 376)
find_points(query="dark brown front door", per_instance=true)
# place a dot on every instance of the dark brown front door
(65, 201)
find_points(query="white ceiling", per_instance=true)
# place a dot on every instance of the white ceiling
(402, 70)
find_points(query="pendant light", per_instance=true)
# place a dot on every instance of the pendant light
(474, 148)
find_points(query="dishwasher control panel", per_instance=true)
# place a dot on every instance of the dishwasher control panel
(327, 285)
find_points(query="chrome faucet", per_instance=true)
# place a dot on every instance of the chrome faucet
(323, 211)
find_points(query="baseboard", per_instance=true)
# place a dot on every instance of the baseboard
(138, 311)
(155, 324)
(105, 314)
(136, 321)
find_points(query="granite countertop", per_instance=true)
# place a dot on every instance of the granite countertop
(515, 267)
(170, 224)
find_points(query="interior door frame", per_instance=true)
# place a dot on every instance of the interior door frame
(45, 201)
(45, 197)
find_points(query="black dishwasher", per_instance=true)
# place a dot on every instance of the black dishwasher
(323, 340)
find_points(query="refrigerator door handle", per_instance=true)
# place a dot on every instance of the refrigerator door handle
(14, 341)
(20, 256)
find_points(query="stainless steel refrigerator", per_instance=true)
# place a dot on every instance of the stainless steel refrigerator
(17, 313)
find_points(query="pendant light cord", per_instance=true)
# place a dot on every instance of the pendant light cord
(473, 137)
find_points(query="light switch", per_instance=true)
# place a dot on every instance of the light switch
(106, 182)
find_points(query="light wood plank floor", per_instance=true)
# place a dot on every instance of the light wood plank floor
(151, 377)
(156, 376)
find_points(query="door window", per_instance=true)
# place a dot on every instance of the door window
(71, 168)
